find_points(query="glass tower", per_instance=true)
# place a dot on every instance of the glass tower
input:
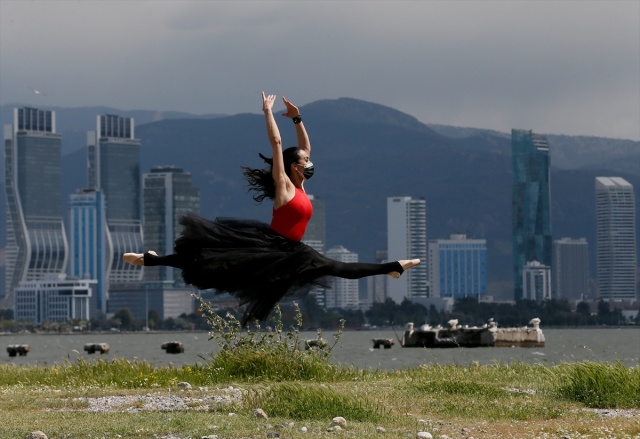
(36, 238)
(88, 241)
(114, 169)
(570, 272)
(407, 239)
(531, 203)
(458, 267)
(168, 194)
(615, 238)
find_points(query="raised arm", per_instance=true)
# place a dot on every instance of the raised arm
(281, 180)
(301, 132)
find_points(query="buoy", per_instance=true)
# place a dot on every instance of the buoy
(383, 342)
(173, 347)
(92, 348)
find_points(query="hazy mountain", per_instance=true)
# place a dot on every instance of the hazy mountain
(366, 152)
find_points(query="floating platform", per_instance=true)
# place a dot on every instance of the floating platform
(488, 335)
(92, 348)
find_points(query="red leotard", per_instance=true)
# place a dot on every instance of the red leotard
(291, 219)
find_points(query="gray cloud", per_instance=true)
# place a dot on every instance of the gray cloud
(561, 67)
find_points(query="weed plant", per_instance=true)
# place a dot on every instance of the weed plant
(256, 354)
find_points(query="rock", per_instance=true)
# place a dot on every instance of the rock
(334, 428)
(37, 435)
(381, 430)
(184, 385)
(424, 435)
(339, 420)
(259, 413)
(211, 436)
(273, 434)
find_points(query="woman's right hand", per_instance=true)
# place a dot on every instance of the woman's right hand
(267, 102)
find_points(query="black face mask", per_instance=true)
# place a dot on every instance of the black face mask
(308, 171)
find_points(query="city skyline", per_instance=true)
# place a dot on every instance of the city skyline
(128, 134)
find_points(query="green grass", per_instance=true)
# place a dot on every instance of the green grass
(303, 387)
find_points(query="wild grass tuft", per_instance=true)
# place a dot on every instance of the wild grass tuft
(312, 402)
(598, 385)
(269, 353)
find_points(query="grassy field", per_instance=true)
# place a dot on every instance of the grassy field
(300, 390)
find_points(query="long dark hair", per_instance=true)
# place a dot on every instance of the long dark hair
(261, 180)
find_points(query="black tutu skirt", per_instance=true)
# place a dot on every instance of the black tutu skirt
(249, 260)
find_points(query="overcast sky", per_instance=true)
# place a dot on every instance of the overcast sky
(556, 67)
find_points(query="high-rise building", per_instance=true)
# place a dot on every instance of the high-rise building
(344, 293)
(316, 237)
(88, 252)
(536, 281)
(377, 285)
(570, 269)
(168, 194)
(458, 267)
(407, 239)
(531, 205)
(36, 238)
(616, 238)
(316, 234)
(114, 169)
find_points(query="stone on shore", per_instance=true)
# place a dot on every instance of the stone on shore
(259, 413)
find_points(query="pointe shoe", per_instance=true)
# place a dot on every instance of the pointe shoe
(136, 258)
(405, 264)
(133, 258)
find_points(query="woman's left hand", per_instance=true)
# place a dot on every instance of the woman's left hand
(292, 110)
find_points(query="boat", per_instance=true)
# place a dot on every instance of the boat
(487, 335)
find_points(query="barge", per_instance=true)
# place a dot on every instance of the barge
(487, 335)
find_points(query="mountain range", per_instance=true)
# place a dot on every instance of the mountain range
(363, 153)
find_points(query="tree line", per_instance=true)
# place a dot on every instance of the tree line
(468, 311)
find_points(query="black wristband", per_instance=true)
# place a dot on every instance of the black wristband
(297, 119)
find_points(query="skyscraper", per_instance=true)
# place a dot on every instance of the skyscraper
(316, 234)
(344, 292)
(114, 169)
(616, 238)
(36, 239)
(458, 267)
(168, 194)
(570, 273)
(407, 239)
(531, 204)
(88, 241)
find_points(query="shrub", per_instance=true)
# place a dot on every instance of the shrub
(257, 353)
(599, 385)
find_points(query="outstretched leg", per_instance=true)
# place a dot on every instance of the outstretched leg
(357, 270)
(151, 259)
